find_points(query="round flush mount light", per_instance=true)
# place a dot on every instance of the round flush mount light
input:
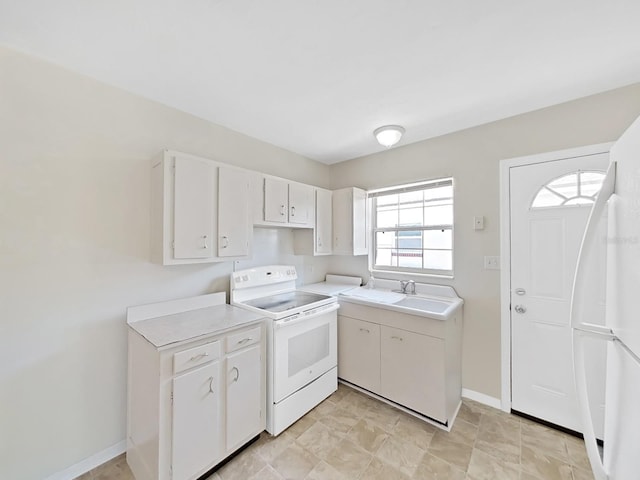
(388, 135)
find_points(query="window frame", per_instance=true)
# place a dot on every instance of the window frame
(406, 188)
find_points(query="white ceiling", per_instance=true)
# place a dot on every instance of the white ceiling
(318, 76)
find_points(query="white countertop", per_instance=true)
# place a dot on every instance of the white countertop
(333, 285)
(163, 330)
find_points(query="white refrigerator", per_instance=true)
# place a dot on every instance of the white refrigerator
(619, 205)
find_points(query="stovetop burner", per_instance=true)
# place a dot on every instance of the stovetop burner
(283, 302)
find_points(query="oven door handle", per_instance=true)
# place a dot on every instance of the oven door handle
(316, 312)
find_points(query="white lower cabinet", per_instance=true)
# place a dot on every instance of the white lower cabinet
(244, 401)
(412, 371)
(192, 404)
(197, 420)
(413, 361)
(359, 352)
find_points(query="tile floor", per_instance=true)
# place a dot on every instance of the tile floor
(352, 436)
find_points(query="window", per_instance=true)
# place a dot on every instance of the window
(412, 227)
(578, 188)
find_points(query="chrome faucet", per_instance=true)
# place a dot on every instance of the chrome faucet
(408, 287)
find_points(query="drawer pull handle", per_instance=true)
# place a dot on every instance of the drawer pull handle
(198, 357)
(244, 340)
(365, 330)
(211, 385)
(282, 210)
(396, 338)
(237, 374)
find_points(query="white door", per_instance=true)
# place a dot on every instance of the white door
(549, 207)
(244, 396)
(193, 221)
(233, 212)
(197, 421)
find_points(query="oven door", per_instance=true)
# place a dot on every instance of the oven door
(304, 348)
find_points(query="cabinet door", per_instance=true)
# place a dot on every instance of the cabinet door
(193, 224)
(342, 212)
(197, 421)
(244, 396)
(233, 212)
(323, 233)
(359, 353)
(301, 204)
(360, 234)
(412, 371)
(276, 200)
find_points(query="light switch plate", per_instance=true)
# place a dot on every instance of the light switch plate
(491, 263)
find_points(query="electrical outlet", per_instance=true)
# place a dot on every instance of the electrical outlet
(491, 263)
(478, 223)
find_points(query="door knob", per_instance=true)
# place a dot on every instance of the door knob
(520, 309)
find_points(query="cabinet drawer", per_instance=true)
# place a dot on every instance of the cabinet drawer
(195, 356)
(242, 339)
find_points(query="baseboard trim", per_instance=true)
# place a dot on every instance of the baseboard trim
(482, 398)
(90, 463)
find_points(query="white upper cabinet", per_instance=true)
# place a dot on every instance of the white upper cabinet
(316, 241)
(324, 228)
(193, 225)
(285, 203)
(350, 234)
(199, 210)
(276, 200)
(234, 224)
(301, 203)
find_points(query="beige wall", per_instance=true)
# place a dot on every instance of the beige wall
(472, 157)
(74, 250)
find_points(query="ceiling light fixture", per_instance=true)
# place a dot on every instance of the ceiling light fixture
(388, 135)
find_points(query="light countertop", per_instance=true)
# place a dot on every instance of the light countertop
(177, 327)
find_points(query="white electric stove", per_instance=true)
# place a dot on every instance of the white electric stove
(302, 359)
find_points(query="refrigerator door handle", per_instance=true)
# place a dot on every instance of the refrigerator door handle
(582, 329)
(588, 239)
(580, 376)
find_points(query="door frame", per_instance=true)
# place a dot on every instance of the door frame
(505, 249)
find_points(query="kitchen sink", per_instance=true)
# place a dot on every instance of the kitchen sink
(425, 304)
